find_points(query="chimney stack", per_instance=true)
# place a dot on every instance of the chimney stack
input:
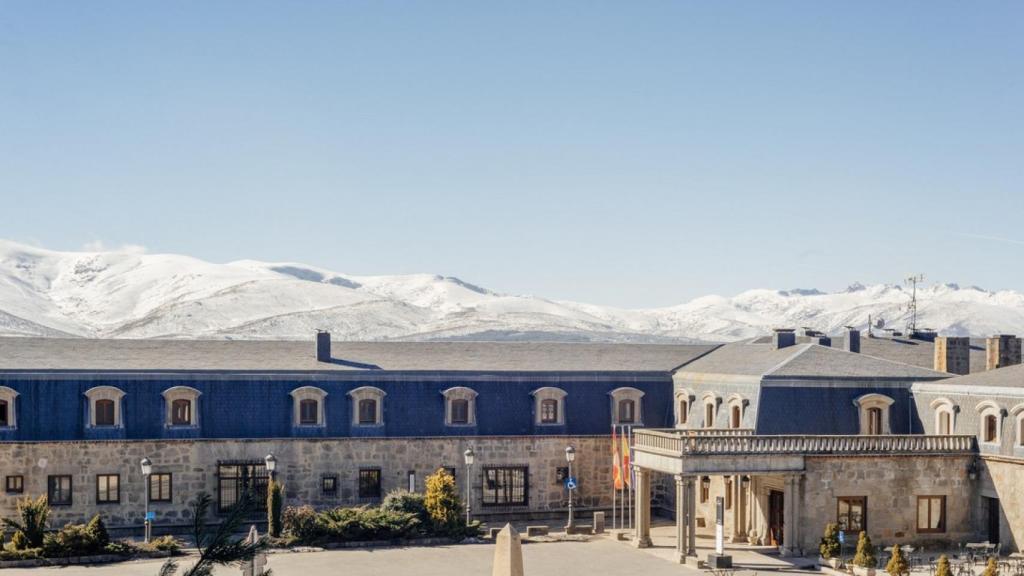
(323, 346)
(783, 338)
(851, 340)
(953, 354)
(1002, 350)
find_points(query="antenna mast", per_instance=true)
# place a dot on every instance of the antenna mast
(913, 281)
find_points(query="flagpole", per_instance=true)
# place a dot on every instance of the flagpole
(632, 480)
(615, 464)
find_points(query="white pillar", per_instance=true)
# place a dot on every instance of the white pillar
(691, 516)
(791, 515)
(680, 519)
(642, 533)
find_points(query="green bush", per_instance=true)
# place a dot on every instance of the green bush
(830, 545)
(33, 516)
(361, 524)
(408, 502)
(865, 557)
(21, 554)
(275, 499)
(19, 541)
(897, 565)
(443, 503)
(303, 524)
(120, 547)
(943, 569)
(98, 531)
(163, 544)
(71, 540)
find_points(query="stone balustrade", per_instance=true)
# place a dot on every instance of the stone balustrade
(726, 442)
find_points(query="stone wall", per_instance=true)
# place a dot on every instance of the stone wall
(1003, 478)
(301, 465)
(891, 485)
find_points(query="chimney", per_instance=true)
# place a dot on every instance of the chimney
(851, 340)
(953, 354)
(821, 340)
(783, 338)
(1002, 350)
(323, 346)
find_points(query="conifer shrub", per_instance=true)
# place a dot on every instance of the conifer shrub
(275, 499)
(897, 565)
(443, 503)
(943, 568)
(991, 567)
(830, 546)
(98, 531)
(33, 516)
(865, 557)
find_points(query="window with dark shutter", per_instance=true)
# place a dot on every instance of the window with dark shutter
(104, 412)
(309, 412)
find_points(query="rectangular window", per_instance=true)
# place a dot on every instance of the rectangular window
(369, 483)
(852, 513)
(237, 481)
(15, 484)
(412, 481)
(705, 489)
(308, 412)
(931, 514)
(460, 411)
(181, 413)
(108, 488)
(549, 412)
(368, 412)
(728, 494)
(505, 486)
(627, 411)
(5, 419)
(160, 487)
(329, 485)
(104, 412)
(58, 490)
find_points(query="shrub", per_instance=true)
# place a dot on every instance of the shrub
(98, 530)
(302, 523)
(275, 498)
(443, 503)
(360, 524)
(33, 516)
(19, 541)
(991, 567)
(71, 540)
(21, 554)
(865, 557)
(408, 502)
(164, 544)
(943, 569)
(120, 547)
(830, 546)
(897, 565)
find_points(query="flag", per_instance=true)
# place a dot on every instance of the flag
(625, 459)
(616, 469)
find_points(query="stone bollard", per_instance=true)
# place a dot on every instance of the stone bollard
(598, 522)
(508, 553)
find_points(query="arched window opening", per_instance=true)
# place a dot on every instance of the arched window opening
(991, 428)
(5, 418)
(945, 423)
(736, 418)
(684, 411)
(181, 412)
(368, 411)
(709, 415)
(874, 421)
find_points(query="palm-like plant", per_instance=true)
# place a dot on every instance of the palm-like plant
(218, 546)
(34, 515)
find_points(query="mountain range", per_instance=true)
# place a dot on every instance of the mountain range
(130, 294)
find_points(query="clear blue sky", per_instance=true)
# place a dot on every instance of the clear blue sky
(626, 153)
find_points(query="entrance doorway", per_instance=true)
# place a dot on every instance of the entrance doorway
(992, 506)
(776, 507)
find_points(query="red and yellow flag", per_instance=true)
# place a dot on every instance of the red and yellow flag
(625, 459)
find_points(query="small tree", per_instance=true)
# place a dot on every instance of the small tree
(897, 565)
(943, 569)
(865, 557)
(830, 546)
(98, 531)
(442, 501)
(218, 547)
(275, 500)
(991, 567)
(34, 515)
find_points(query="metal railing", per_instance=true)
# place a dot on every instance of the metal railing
(679, 442)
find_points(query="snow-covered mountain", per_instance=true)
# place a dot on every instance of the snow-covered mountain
(128, 294)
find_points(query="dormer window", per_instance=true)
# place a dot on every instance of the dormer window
(736, 406)
(459, 406)
(182, 402)
(8, 418)
(549, 406)
(308, 410)
(367, 406)
(684, 411)
(104, 406)
(1018, 414)
(991, 415)
(874, 414)
(627, 406)
(945, 416)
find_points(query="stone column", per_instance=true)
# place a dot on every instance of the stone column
(691, 516)
(736, 494)
(681, 518)
(642, 531)
(791, 516)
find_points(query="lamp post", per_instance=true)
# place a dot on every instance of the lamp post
(570, 455)
(469, 456)
(271, 462)
(147, 469)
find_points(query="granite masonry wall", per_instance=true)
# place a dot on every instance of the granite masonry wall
(1003, 478)
(302, 463)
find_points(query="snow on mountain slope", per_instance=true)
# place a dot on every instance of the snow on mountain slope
(135, 295)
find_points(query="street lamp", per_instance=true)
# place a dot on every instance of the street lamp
(570, 455)
(147, 469)
(271, 466)
(469, 456)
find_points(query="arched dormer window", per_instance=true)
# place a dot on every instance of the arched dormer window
(182, 406)
(945, 415)
(627, 406)
(549, 406)
(8, 415)
(104, 406)
(737, 405)
(367, 406)
(459, 407)
(711, 401)
(991, 420)
(308, 408)
(684, 402)
(1018, 425)
(874, 413)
